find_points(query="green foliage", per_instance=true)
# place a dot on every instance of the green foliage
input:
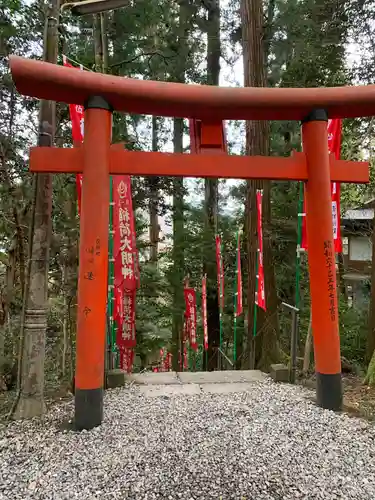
(307, 41)
(353, 333)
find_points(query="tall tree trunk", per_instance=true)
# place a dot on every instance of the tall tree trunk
(9, 295)
(31, 391)
(6, 300)
(65, 325)
(264, 350)
(371, 331)
(98, 43)
(211, 198)
(153, 200)
(177, 277)
(178, 251)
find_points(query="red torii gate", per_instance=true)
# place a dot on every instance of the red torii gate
(101, 94)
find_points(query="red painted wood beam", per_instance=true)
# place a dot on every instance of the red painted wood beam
(59, 160)
(57, 83)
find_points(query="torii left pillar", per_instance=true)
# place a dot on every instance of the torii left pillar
(93, 265)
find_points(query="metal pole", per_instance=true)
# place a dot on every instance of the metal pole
(293, 341)
(255, 316)
(221, 299)
(235, 298)
(293, 347)
(300, 216)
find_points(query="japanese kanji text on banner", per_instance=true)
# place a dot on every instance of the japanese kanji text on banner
(191, 316)
(204, 312)
(125, 280)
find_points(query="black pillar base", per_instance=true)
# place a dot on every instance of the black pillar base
(329, 391)
(88, 408)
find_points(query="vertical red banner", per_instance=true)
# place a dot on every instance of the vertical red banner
(204, 312)
(124, 234)
(220, 272)
(167, 363)
(334, 147)
(126, 359)
(260, 298)
(126, 269)
(191, 316)
(334, 130)
(239, 309)
(76, 112)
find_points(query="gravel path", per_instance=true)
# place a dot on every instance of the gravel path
(268, 444)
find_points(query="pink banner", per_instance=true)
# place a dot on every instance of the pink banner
(191, 316)
(260, 297)
(239, 277)
(220, 272)
(204, 312)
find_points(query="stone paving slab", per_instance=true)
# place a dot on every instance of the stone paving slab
(162, 378)
(227, 388)
(155, 391)
(217, 377)
(222, 377)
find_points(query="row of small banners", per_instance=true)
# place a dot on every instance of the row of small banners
(126, 265)
(190, 317)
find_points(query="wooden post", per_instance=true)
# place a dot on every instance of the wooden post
(321, 256)
(93, 265)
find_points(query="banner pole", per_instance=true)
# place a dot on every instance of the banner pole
(255, 316)
(299, 242)
(221, 300)
(235, 306)
(111, 295)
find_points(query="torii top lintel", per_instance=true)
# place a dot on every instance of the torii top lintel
(49, 81)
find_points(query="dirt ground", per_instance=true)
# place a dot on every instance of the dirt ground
(359, 399)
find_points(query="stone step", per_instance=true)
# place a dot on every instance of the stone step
(217, 377)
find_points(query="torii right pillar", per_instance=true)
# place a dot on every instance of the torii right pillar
(321, 258)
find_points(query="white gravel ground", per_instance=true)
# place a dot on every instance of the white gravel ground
(267, 444)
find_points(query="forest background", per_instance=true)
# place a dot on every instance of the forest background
(294, 43)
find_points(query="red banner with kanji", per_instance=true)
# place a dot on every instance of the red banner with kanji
(260, 297)
(124, 241)
(238, 277)
(125, 269)
(220, 272)
(191, 316)
(204, 312)
(334, 130)
(125, 318)
(76, 112)
(126, 359)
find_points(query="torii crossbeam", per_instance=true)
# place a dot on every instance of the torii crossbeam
(97, 159)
